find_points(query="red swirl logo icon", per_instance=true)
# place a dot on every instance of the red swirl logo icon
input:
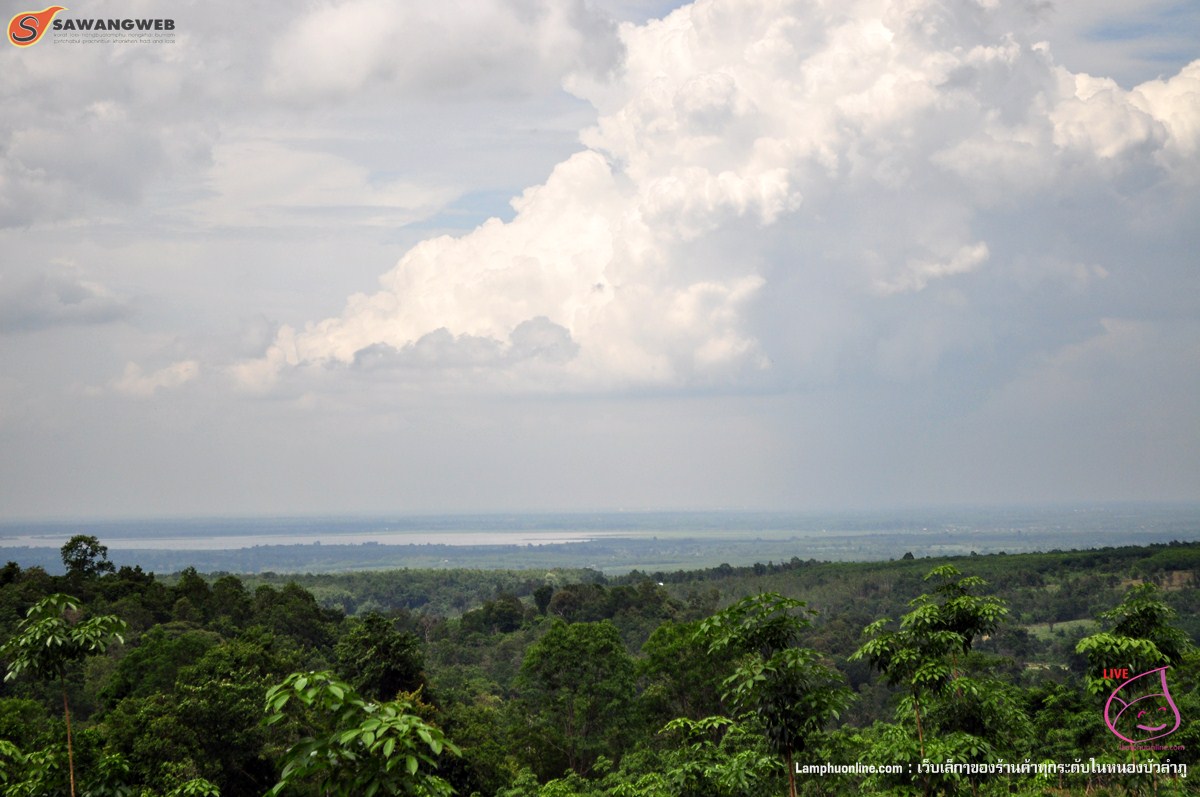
(26, 28)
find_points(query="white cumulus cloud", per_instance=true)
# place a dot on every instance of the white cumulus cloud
(753, 158)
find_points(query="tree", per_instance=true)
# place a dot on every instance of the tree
(790, 691)
(294, 612)
(578, 683)
(153, 665)
(542, 596)
(929, 656)
(682, 679)
(1140, 635)
(205, 723)
(193, 596)
(49, 640)
(925, 653)
(230, 601)
(506, 613)
(352, 747)
(379, 661)
(1140, 640)
(84, 557)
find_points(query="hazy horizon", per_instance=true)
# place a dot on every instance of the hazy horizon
(895, 511)
(609, 542)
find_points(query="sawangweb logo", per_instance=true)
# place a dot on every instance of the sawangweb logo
(27, 27)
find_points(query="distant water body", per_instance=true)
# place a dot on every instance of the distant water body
(1081, 526)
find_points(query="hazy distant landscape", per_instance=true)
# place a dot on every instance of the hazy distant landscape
(604, 398)
(612, 542)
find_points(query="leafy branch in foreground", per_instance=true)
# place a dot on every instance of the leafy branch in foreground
(50, 639)
(926, 654)
(1141, 637)
(352, 747)
(786, 687)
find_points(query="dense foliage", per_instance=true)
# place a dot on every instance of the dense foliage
(917, 676)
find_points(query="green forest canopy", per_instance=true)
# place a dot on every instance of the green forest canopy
(552, 682)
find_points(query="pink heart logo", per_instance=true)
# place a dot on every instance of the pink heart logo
(1142, 717)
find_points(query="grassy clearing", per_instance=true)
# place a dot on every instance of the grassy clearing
(1044, 631)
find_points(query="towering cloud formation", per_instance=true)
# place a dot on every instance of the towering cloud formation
(763, 173)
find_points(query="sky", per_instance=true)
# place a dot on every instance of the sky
(363, 256)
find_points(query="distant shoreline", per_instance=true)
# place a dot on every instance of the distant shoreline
(609, 542)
